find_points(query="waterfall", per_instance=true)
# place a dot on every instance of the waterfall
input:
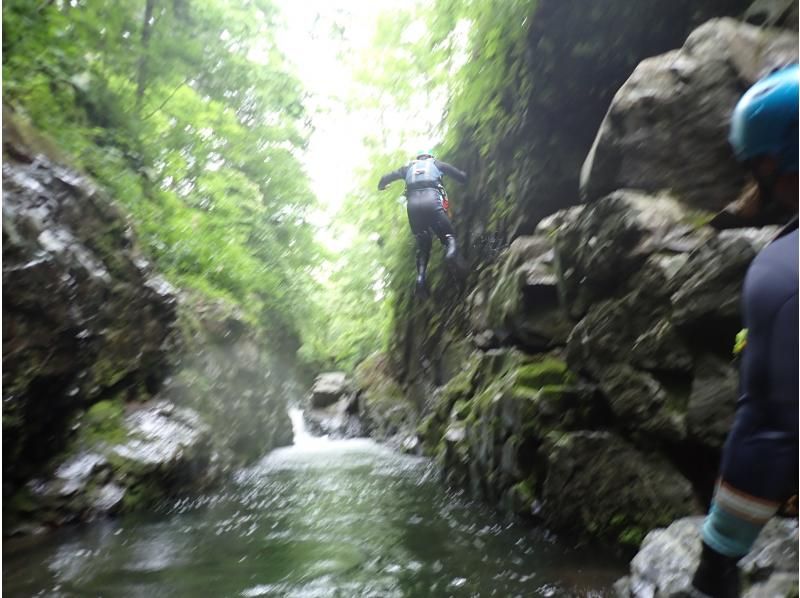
(302, 438)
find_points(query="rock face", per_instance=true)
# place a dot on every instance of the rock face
(120, 462)
(599, 483)
(574, 61)
(225, 373)
(664, 566)
(84, 317)
(596, 350)
(333, 407)
(382, 406)
(328, 388)
(112, 379)
(588, 432)
(667, 126)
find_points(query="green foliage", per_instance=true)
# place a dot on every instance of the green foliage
(194, 121)
(473, 54)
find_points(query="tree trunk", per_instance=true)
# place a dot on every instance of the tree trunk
(147, 29)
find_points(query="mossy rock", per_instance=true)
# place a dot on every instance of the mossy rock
(103, 423)
(547, 371)
(600, 486)
(520, 497)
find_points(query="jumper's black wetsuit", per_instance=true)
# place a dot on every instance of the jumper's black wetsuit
(760, 459)
(425, 210)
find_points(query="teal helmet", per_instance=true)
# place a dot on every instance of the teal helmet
(764, 122)
(424, 154)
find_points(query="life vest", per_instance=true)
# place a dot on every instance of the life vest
(422, 174)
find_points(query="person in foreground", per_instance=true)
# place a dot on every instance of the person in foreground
(760, 458)
(426, 210)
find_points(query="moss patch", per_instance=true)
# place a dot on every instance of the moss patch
(103, 423)
(546, 372)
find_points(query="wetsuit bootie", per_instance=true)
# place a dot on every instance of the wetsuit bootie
(421, 289)
(451, 251)
(454, 262)
(717, 575)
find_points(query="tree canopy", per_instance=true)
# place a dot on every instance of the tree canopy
(191, 116)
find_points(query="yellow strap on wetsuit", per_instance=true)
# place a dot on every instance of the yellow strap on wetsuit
(741, 342)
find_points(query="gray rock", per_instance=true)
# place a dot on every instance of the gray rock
(162, 436)
(769, 13)
(666, 128)
(607, 243)
(712, 401)
(774, 552)
(598, 484)
(86, 316)
(455, 433)
(660, 347)
(641, 405)
(337, 420)
(780, 585)
(73, 475)
(709, 285)
(166, 451)
(634, 330)
(666, 561)
(521, 301)
(410, 445)
(328, 388)
(109, 499)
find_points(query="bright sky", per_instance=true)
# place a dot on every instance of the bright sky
(309, 42)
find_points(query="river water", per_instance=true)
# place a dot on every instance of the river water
(322, 518)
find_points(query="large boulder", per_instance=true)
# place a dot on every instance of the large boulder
(333, 408)
(666, 128)
(599, 248)
(118, 462)
(771, 13)
(642, 406)
(709, 284)
(573, 59)
(328, 388)
(600, 483)
(632, 330)
(338, 420)
(666, 561)
(84, 316)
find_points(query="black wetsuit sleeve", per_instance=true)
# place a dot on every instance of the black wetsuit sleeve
(451, 171)
(395, 175)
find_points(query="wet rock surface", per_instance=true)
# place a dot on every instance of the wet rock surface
(85, 317)
(112, 378)
(664, 565)
(161, 450)
(333, 407)
(678, 105)
(633, 294)
(328, 388)
(598, 482)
